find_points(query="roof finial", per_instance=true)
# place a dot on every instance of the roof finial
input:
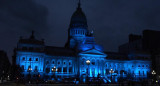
(79, 4)
(32, 36)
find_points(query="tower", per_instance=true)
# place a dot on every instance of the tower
(78, 28)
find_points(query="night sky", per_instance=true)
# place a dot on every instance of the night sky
(111, 20)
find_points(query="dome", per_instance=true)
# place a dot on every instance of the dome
(78, 19)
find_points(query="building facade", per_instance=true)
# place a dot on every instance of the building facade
(5, 66)
(35, 58)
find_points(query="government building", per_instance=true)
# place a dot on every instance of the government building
(81, 57)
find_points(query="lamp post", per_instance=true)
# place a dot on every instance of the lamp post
(54, 69)
(153, 73)
(88, 63)
(29, 69)
(111, 71)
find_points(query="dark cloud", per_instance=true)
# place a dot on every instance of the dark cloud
(111, 20)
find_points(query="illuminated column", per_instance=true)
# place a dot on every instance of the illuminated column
(25, 66)
(61, 65)
(101, 67)
(73, 65)
(67, 64)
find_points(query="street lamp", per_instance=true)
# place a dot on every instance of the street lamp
(29, 69)
(54, 69)
(153, 73)
(111, 71)
(88, 63)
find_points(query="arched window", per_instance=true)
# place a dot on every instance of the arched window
(132, 72)
(52, 62)
(23, 58)
(64, 69)
(59, 63)
(83, 61)
(22, 67)
(47, 62)
(36, 59)
(36, 68)
(93, 63)
(70, 69)
(107, 71)
(47, 70)
(30, 59)
(116, 71)
(106, 65)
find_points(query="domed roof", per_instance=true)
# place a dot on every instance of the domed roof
(78, 19)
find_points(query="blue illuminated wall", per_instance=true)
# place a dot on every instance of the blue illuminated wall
(34, 57)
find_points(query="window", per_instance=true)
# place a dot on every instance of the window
(70, 70)
(24, 48)
(36, 59)
(59, 69)
(83, 61)
(23, 58)
(37, 49)
(22, 75)
(64, 62)
(31, 48)
(142, 65)
(107, 71)
(29, 68)
(52, 62)
(30, 59)
(36, 68)
(22, 67)
(34, 75)
(47, 70)
(106, 65)
(65, 69)
(93, 63)
(69, 63)
(132, 66)
(116, 71)
(58, 62)
(138, 65)
(47, 62)
(132, 72)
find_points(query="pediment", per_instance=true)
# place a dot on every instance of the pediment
(93, 52)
